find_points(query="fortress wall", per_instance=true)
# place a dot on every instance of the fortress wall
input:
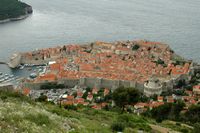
(139, 86)
(112, 84)
(106, 83)
(133, 84)
(124, 83)
(168, 85)
(34, 86)
(91, 82)
(69, 82)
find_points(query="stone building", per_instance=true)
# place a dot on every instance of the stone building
(152, 86)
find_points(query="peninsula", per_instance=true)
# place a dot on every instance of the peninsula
(151, 67)
(12, 10)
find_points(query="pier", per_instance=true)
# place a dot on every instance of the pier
(5, 63)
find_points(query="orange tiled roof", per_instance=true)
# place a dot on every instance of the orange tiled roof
(47, 77)
(26, 91)
(104, 63)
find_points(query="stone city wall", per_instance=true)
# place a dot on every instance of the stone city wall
(91, 82)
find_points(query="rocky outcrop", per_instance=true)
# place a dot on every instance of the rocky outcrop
(28, 10)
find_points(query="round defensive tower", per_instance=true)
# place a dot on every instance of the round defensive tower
(152, 86)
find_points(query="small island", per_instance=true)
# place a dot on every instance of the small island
(12, 10)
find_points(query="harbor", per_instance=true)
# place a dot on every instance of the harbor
(17, 72)
(8, 79)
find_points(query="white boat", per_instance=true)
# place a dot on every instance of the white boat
(11, 76)
(6, 78)
(33, 75)
(21, 67)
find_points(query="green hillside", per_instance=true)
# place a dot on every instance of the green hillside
(20, 114)
(11, 9)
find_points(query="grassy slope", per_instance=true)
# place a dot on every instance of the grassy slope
(11, 9)
(20, 114)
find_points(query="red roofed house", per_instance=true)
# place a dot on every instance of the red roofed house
(90, 97)
(26, 91)
(140, 108)
(97, 107)
(55, 67)
(106, 91)
(170, 99)
(79, 101)
(160, 98)
(196, 90)
(95, 91)
(68, 101)
(47, 77)
(140, 105)
(189, 93)
(155, 104)
(79, 93)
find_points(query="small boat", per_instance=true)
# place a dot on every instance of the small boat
(6, 78)
(33, 75)
(12, 79)
(11, 76)
(21, 67)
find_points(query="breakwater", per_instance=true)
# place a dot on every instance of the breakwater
(3, 63)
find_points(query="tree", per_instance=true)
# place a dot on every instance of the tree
(135, 47)
(196, 128)
(161, 113)
(64, 48)
(125, 96)
(42, 98)
(193, 114)
(167, 111)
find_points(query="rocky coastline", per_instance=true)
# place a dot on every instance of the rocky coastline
(28, 11)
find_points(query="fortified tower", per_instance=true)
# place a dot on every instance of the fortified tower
(152, 86)
(15, 60)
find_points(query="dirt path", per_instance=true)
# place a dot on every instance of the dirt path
(162, 129)
(182, 124)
